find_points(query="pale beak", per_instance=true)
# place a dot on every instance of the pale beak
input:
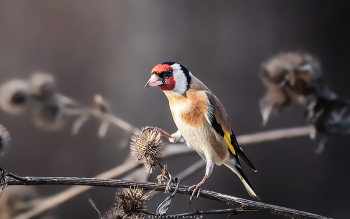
(155, 80)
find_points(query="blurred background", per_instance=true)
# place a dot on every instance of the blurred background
(109, 48)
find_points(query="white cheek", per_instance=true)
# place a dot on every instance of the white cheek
(181, 82)
(180, 78)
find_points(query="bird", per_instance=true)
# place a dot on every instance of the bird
(201, 121)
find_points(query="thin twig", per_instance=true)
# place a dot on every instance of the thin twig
(103, 117)
(243, 204)
(273, 135)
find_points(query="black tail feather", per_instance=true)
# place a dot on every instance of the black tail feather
(239, 151)
(240, 171)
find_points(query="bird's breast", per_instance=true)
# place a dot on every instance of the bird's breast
(190, 109)
(189, 115)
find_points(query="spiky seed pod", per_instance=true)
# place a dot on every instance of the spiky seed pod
(49, 115)
(4, 139)
(49, 108)
(131, 203)
(164, 177)
(290, 77)
(146, 147)
(293, 69)
(113, 213)
(14, 95)
(42, 85)
(297, 74)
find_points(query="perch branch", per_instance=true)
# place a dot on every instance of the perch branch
(170, 150)
(242, 204)
(129, 165)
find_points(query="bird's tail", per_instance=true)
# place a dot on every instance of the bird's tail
(236, 168)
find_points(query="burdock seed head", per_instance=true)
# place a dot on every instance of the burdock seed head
(49, 114)
(14, 95)
(4, 139)
(130, 203)
(42, 85)
(113, 213)
(294, 69)
(146, 147)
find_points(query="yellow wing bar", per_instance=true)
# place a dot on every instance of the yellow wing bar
(227, 137)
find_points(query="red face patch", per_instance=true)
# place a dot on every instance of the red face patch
(169, 84)
(161, 68)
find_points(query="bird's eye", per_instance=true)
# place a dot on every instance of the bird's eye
(169, 72)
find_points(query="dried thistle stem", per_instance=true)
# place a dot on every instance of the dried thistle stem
(243, 204)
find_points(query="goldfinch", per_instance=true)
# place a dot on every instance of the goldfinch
(201, 121)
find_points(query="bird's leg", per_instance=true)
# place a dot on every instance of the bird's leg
(161, 131)
(197, 188)
(177, 136)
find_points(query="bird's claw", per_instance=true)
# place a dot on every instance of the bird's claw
(156, 129)
(196, 189)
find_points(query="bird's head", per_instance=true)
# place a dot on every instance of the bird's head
(170, 76)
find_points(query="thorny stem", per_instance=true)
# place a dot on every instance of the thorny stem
(169, 176)
(160, 165)
(242, 204)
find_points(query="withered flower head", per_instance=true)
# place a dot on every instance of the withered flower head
(113, 213)
(164, 177)
(146, 147)
(13, 96)
(292, 69)
(49, 115)
(42, 85)
(290, 77)
(131, 203)
(4, 139)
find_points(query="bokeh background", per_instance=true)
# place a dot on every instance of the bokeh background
(109, 47)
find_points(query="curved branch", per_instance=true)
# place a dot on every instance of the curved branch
(242, 204)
